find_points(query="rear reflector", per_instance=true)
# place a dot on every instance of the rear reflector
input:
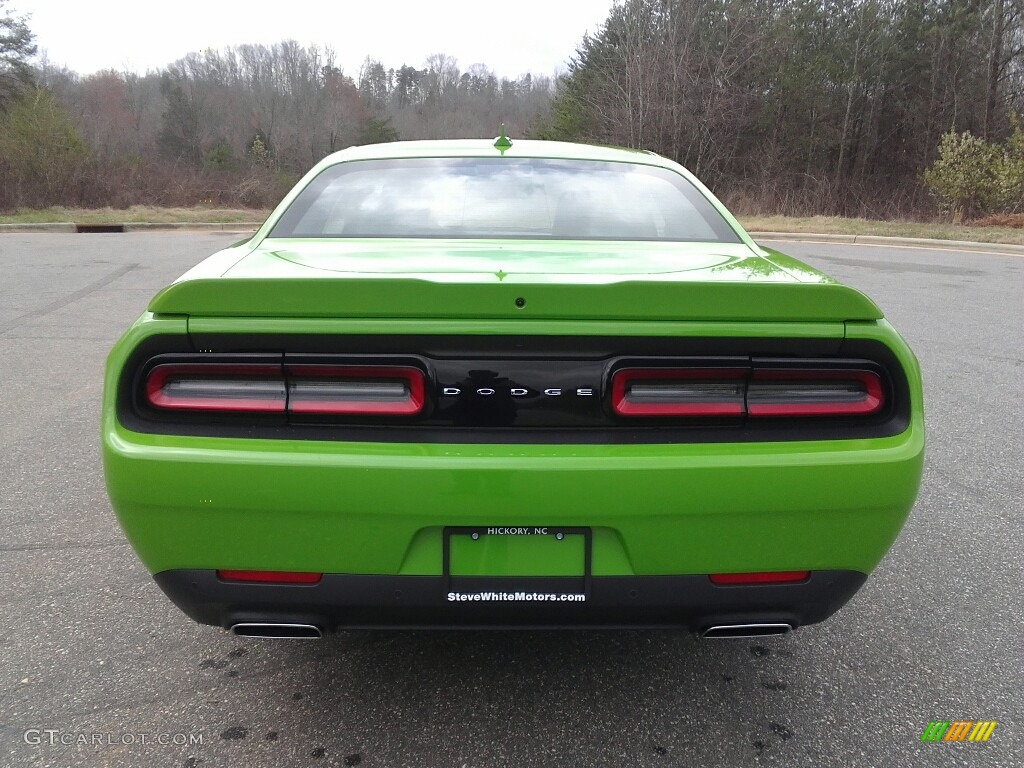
(271, 577)
(794, 392)
(355, 390)
(678, 391)
(212, 387)
(765, 577)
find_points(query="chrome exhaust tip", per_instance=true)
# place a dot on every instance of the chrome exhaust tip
(277, 631)
(746, 630)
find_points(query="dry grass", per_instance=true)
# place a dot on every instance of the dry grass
(135, 214)
(834, 225)
(1011, 220)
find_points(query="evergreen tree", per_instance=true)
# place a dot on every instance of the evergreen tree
(17, 46)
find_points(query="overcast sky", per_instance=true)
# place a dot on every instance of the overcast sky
(510, 36)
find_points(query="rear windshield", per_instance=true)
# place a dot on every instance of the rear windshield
(503, 198)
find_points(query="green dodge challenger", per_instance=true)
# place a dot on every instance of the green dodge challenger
(509, 384)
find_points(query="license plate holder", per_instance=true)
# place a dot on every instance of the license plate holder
(461, 565)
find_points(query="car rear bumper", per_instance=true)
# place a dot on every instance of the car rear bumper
(341, 601)
(380, 509)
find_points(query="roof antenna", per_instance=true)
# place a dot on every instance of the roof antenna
(503, 142)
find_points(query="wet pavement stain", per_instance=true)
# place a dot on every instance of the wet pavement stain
(776, 686)
(235, 732)
(781, 731)
(271, 736)
(905, 267)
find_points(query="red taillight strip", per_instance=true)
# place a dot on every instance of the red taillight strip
(757, 393)
(290, 398)
(409, 405)
(623, 405)
(271, 577)
(763, 577)
(870, 403)
(157, 379)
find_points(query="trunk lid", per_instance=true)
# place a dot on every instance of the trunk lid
(592, 280)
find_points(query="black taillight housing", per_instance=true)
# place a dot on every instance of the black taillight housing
(533, 390)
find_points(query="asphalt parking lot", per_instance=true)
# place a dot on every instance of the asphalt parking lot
(89, 645)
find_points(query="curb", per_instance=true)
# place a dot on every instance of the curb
(214, 226)
(916, 242)
(67, 227)
(64, 227)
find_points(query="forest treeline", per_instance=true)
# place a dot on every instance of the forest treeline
(236, 126)
(800, 106)
(878, 108)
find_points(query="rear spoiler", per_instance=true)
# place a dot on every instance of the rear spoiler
(409, 298)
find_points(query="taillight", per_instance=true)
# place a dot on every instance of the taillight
(304, 389)
(355, 390)
(271, 577)
(764, 577)
(793, 392)
(678, 391)
(754, 392)
(213, 387)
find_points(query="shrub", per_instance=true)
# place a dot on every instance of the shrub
(965, 176)
(973, 177)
